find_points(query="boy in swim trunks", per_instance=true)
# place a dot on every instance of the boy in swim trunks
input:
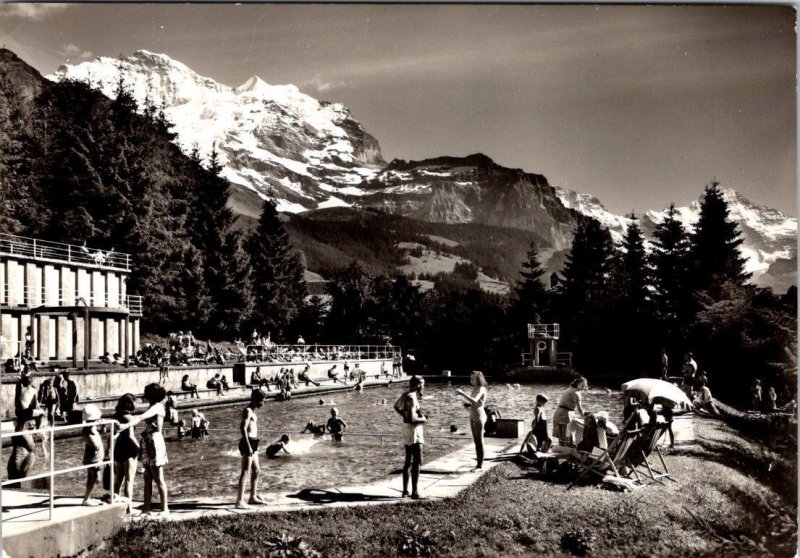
(248, 449)
(336, 425)
(278, 445)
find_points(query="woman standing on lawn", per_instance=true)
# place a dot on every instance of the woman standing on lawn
(477, 413)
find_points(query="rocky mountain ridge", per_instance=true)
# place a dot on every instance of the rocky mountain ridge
(274, 141)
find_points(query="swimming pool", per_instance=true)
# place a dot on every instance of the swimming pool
(208, 469)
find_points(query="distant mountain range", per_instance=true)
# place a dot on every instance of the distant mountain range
(276, 142)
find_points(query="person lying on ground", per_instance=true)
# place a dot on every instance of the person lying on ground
(277, 446)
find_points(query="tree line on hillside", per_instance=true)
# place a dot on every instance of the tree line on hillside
(79, 168)
(618, 306)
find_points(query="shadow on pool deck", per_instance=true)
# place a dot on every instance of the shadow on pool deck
(319, 496)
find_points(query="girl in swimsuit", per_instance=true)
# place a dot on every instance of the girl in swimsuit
(126, 450)
(153, 450)
(477, 413)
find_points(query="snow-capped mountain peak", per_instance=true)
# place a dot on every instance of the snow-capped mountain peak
(272, 139)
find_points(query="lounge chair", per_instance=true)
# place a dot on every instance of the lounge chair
(644, 447)
(608, 462)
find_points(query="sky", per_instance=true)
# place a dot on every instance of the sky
(638, 105)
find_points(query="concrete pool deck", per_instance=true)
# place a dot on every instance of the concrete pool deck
(75, 528)
(440, 479)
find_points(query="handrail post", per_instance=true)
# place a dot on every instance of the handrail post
(52, 476)
(111, 459)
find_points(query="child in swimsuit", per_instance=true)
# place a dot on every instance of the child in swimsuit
(278, 445)
(248, 449)
(336, 425)
(314, 428)
(94, 452)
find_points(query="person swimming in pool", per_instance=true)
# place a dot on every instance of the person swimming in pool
(275, 447)
(336, 426)
(314, 428)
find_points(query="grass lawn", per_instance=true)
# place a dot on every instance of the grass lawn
(724, 480)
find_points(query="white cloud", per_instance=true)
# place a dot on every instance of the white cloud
(321, 86)
(31, 11)
(70, 50)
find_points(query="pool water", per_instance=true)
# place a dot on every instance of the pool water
(209, 468)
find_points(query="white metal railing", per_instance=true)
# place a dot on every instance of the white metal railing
(562, 359)
(45, 250)
(287, 353)
(547, 331)
(53, 472)
(31, 297)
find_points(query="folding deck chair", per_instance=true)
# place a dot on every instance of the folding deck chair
(602, 462)
(644, 448)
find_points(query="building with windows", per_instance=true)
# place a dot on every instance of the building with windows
(71, 300)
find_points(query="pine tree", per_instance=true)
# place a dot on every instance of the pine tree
(670, 260)
(276, 274)
(585, 295)
(630, 313)
(531, 296)
(349, 289)
(715, 254)
(589, 263)
(635, 270)
(210, 223)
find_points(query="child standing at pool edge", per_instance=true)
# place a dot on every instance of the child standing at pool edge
(248, 449)
(94, 452)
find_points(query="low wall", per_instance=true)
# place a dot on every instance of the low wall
(318, 369)
(114, 382)
(111, 382)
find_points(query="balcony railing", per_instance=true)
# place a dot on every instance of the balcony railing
(562, 360)
(57, 252)
(543, 331)
(298, 353)
(32, 297)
